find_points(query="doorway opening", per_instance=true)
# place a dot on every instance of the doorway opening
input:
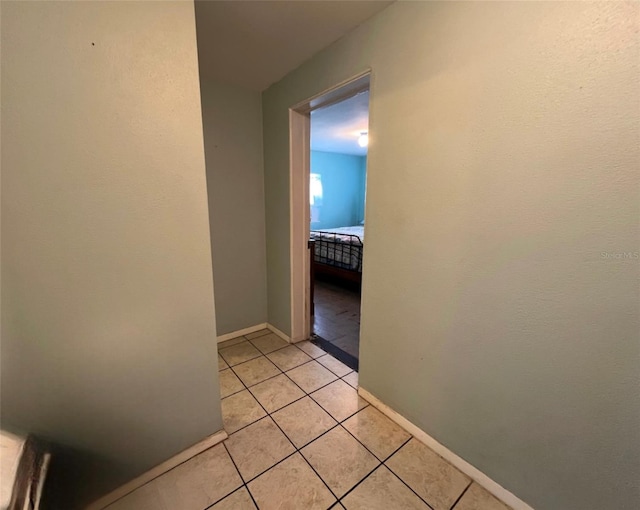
(329, 145)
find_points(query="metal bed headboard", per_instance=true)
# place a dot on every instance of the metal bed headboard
(338, 250)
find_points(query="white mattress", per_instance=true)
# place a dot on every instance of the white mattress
(11, 448)
(24, 458)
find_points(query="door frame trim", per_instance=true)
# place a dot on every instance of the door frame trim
(299, 215)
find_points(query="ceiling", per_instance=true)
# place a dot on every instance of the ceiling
(256, 43)
(336, 128)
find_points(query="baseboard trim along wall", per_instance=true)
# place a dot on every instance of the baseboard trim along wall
(253, 329)
(475, 474)
(159, 470)
(275, 330)
(242, 332)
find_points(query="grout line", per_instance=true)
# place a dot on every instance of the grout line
(290, 403)
(242, 362)
(399, 477)
(339, 376)
(232, 394)
(252, 498)
(318, 475)
(299, 449)
(407, 485)
(398, 448)
(240, 475)
(462, 494)
(274, 350)
(271, 467)
(296, 450)
(361, 481)
(280, 372)
(259, 336)
(268, 415)
(242, 486)
(252, 396)
(315, 438)
(301, 388)
(306, 394)
(316, 389)
(354, 437)
(345, 419)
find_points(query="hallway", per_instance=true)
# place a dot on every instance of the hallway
(300, 437)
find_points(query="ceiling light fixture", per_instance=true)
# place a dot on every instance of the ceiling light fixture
(363, 139)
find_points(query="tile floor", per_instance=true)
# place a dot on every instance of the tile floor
(337, 316)
(300, 438)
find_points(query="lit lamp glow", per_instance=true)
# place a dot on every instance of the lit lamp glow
(363, 139)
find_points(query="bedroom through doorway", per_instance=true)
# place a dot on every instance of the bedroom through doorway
(337, 195)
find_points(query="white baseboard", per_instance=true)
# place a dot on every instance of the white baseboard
(475, 474)
(158, 470)
(275, 330)
(241, 332)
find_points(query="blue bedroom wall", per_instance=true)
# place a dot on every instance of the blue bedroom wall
(343, 180)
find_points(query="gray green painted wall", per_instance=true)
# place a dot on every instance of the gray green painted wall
(504, 161)
(232, 119)
(108, 327)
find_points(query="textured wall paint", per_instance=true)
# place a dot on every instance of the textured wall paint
(232, 119)
(342, 188)
(108, 327)
(504, 161)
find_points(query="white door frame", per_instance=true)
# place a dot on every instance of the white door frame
(299, 171)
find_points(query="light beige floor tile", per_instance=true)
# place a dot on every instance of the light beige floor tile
(383, 491)
(339, 399)
(291, 485)
(377, 432)
(201, 481)
(312, 350)
(477, 498)
(288, 358)
(240, 410)
(256, 334)
(256, 370)
(351, 379)
(276, 392)
(257, 447)
(311, 376)
(229, 343)
(239, 500)
(229, 383)
(222, 364)
(269, 343)
(433, 478)
(146, 497)
(339, 459)
(303, 421)
(239, 353)
(336, 366)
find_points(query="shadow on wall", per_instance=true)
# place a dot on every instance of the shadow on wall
(76, 478)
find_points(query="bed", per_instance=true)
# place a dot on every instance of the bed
(337, 252)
